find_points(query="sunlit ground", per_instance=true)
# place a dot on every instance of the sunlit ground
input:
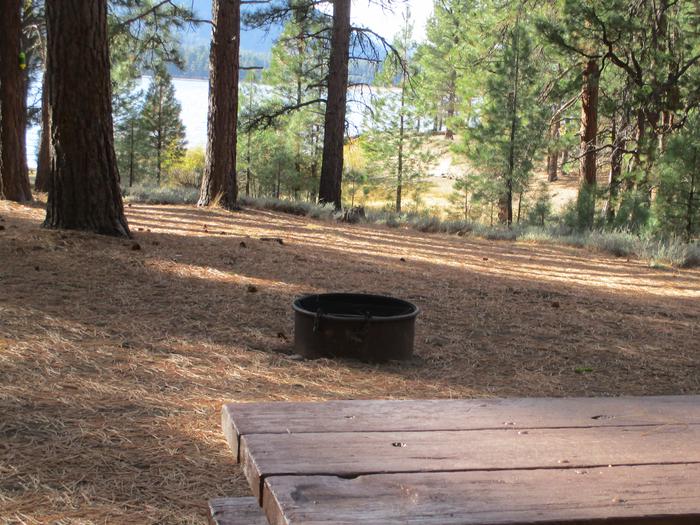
(114, 361)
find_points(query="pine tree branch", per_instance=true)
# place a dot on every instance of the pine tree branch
(266, 120)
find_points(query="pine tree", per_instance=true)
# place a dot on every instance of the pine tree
(161, 123)
(677, 206)
(220, 178)
(143, 38)
(273, 157)
(296, 73)
(393, 143)
(14, 178)
(130, 138)
(653, 49)
(510, 124)
(84, 186)
(440, 57)
(330, 185)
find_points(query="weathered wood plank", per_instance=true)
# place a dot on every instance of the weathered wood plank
(658, 495)
(430, 415)
(235, 511)
(358, 453)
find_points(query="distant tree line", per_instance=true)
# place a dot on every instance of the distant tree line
(607, 91)
(195, 61)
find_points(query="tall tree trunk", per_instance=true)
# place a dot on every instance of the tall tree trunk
(247, 164)
(220, 172)
(691, 198)
(248, 136)
(14, 176)
(615, 174)
(131, 152)
(300, 17)
(589, 132)
(505, 204)
(451, 104)
(43, 164)
(506, 201)
(84, 183)
(553, 156)
(589, 121)
(466, 204)
(279, 177)
(334, 133)
(159, 149)
(640, 139)
(399, 167)
(564, 162)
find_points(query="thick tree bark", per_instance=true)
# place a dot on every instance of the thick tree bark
(589, 122)
(334, 134)
(43, 165)
(84, 183)
(14, 176)
(219, 180)
(589, 132)
(553, 155)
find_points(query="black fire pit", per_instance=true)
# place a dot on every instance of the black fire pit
(358, 326)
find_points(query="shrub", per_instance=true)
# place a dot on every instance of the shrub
(427, 224)
(301, 208)
(670, 252)
(620, 244)
(161, 195)
(541, 209)
(539, 235)
(187, 171)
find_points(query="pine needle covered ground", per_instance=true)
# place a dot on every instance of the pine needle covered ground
(115, 356)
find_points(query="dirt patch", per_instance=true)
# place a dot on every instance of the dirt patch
(114, 361)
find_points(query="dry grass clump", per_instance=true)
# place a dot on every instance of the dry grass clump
(114, 362)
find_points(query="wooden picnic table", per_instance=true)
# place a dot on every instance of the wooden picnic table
(631, 460)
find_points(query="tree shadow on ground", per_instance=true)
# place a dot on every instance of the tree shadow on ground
(115, 360)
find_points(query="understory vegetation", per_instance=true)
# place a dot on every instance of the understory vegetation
(659, 251)
(544, 90)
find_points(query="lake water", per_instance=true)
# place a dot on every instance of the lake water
(193, 95)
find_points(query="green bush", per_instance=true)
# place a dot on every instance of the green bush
(540, 210)
(187, 171)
